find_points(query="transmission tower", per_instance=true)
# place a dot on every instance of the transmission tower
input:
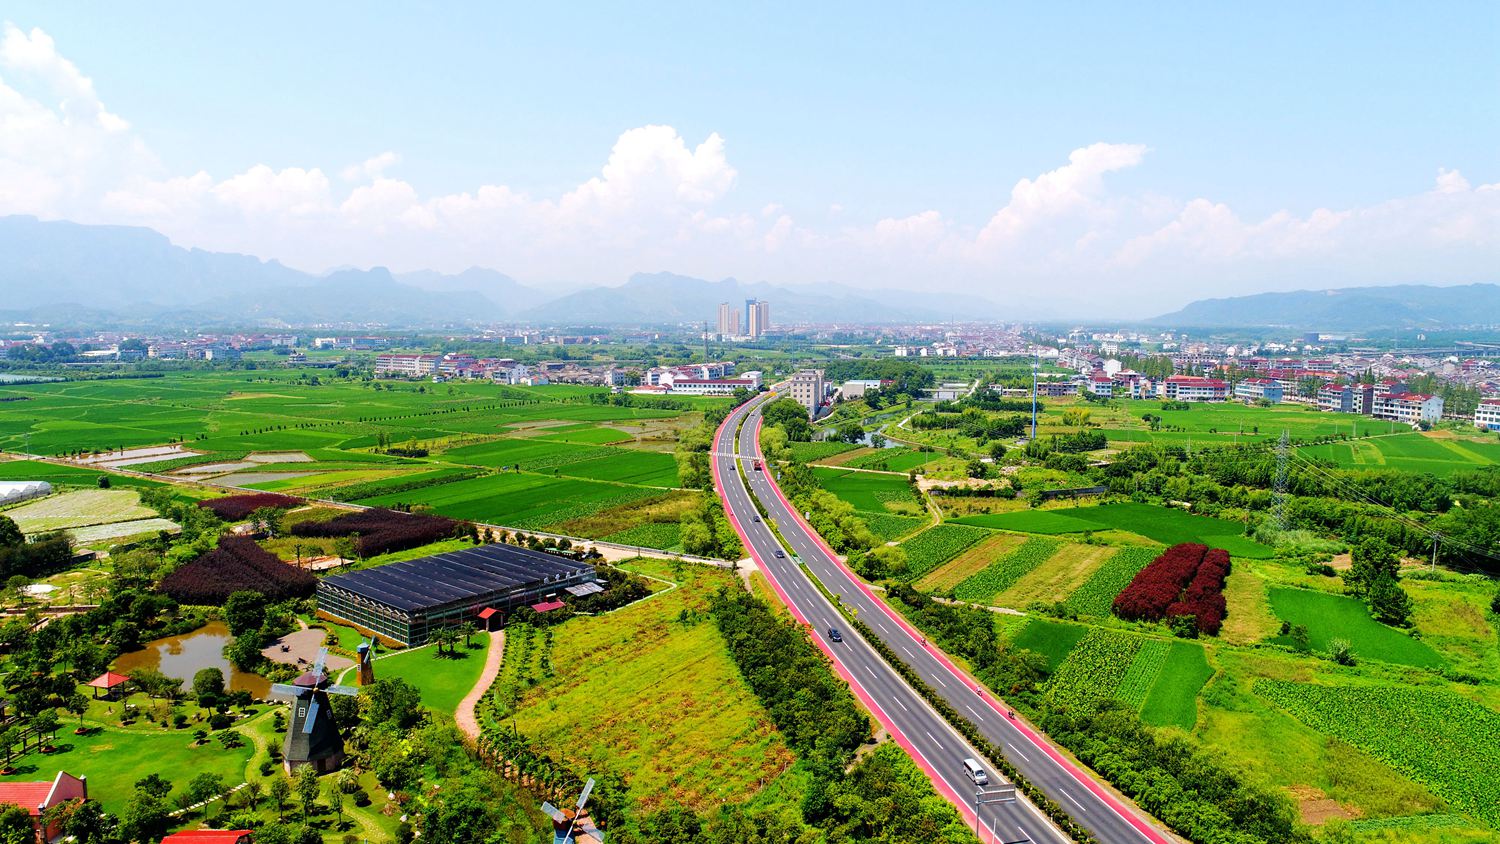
(1279, 507)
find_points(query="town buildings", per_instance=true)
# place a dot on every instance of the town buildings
(1259, 389)
(729, 320)
(1487, 415)
(1194, 388)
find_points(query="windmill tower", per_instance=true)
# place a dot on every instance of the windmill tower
(572, 826)
(366, 666)
(312, 738)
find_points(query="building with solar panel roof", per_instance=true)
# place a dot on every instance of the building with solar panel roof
(407, 601)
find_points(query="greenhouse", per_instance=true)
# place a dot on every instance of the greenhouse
(13, 491)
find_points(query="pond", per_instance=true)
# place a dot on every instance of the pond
(185, 655)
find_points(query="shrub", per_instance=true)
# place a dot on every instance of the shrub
(233, 508)
(1186, 581)
(237, 565)
(382, 531)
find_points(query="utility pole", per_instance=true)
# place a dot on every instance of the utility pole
(1434, 552)
(1280, 501)
(1036, 362)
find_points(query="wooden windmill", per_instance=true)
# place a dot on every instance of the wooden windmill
(572, 826)
(366, 668)
(312, 737)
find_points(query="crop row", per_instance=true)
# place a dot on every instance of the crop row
(1093, 670)
(1144, 670)
(1098, 593)
(937, 545)
(1004, 572)
(1448, 742)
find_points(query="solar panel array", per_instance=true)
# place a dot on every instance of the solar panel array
(429, 582)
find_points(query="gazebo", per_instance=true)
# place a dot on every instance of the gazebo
(109, 681)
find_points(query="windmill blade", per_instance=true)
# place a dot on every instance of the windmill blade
(287, 690)
(591, 831)
(317, 670)
(342, 690)
(312, 717)
(554, 813)
(588, 788)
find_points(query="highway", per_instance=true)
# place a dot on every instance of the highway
(935, 746)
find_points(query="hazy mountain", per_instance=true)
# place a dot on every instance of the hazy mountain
(508, 295)
(1349, 308)
(661, 298)
(52, 268)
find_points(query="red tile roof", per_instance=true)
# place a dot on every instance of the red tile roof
(208, 836)
(108, 680)
(547, 606)
(487, 612)
(27, 795)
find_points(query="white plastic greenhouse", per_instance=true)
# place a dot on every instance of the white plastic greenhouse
(13, 491)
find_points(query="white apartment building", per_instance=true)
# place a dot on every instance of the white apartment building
(406, 366)
(1410, 408)
(808, 389)
(1487, 415)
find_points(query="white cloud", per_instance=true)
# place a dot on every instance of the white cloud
(659, 202)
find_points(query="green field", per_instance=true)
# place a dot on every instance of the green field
(1329, 617)
(1412, 452)
(1173, 698)
(656, 698)
(1166, 525)
(1439, 738)
(62, 475)
(937, 545)
(866, 490)
(517, 500)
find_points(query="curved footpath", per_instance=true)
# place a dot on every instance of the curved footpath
(466, 715)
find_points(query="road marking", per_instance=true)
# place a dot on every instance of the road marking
(1080, 806)
(936, 742)
(872, 671)
(902, 705)
(971, 710)
(908, 652)
(1017, 751)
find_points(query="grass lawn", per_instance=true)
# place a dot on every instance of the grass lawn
(1166, 525)
(1250, 618)
(443, 681)
(1173, 699)
(969, 563)
(114, 758)
(1057, 577)
(1329, 617)
(657, 699)
(869, 490)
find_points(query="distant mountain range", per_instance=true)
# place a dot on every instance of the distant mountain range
(69, 273)
(1347, 309)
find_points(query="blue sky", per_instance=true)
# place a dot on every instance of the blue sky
(835, 117)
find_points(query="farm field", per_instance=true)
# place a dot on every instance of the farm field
(1096, 595)
(79, 508)
(1413, 452)
(1002, 574)
(1166, 525)
(1212, 422)
(517, 500)
(1056, 577)
(284, 431)
(938, 544)
(869, 491)
(695, 736)
(1441, 739)
(62, 475)
(1329, 617)
(969, 563)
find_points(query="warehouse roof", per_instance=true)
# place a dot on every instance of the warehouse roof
(427, 582)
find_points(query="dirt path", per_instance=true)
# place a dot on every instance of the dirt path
(467, 720)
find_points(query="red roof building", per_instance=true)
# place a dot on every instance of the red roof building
(547, 606)
(38, 797)
(209, 836)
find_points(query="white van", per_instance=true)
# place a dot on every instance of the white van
(976, 773)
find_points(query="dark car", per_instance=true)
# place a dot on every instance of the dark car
(757, 518)
(780, 555)
(834, 635)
